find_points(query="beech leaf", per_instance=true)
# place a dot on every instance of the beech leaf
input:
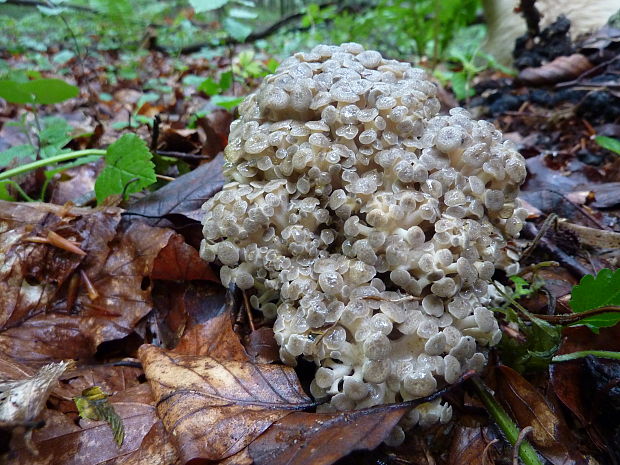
(227, 404)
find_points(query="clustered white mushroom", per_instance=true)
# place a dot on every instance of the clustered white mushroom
(368, 225)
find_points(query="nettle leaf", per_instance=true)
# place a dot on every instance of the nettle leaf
(237, 30)
(608, 143)
(207, 5)
(128, 169)
(594, 292)
(93, 404)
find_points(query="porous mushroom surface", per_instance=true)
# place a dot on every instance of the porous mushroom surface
(368, 225)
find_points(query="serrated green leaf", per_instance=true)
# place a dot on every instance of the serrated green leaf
(128, 169)
(93, 404)
(207, 5)
(236, 29)
(16, 153)
(594, 292)
(608, 143)
(225, 101)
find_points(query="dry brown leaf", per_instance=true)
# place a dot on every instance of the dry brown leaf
(550, 433)
(214, 409)
(563, 68)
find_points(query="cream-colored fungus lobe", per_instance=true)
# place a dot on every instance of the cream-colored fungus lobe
(368, 226)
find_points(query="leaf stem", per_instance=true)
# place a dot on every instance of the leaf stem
(505, 423)
(49, 161)
(585, 353)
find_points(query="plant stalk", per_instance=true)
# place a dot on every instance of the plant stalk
(49, 161)
(585, 353)
(526, 452)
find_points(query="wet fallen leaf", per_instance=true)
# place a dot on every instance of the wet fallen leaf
(225, 403)
(62, 441)
(550, 435)
(262, 346)
(470, 446)
(183, 196)
(179, 261)
(46, 310)
(565, 374)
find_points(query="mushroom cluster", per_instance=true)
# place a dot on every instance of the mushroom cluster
(368, 225)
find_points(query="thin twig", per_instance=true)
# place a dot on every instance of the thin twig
(541, 232)
(515, 451)
(248, 310)
(182, 155)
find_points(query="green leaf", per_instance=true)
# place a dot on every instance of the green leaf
(608, 143)
(207, 5)
(237, 30)
(48, 91)
(226, 80)
(93, 404)
(209, 87)
(594, 292)
(41, 91)
(16, 153)
(128, 168)
(225, 101)
(4, 193)
(56, 131)
(12, 92)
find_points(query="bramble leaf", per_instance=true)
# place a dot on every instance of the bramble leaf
(128, 169)
(595, 292)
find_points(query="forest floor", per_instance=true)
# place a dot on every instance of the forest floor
(143, 251)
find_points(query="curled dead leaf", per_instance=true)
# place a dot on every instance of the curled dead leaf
(563, 68)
